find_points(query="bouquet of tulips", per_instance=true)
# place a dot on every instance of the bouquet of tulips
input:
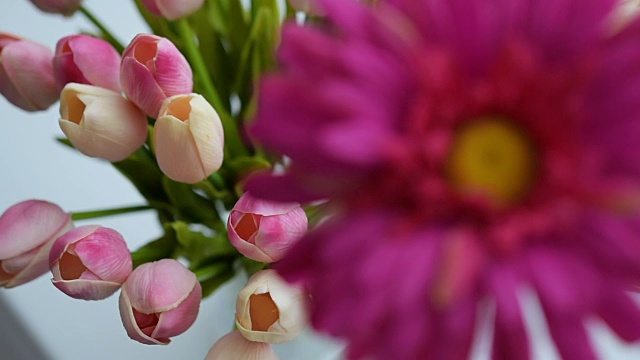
(168, 111)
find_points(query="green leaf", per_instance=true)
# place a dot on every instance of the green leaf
(162, 248)
(143, 172)
(201, 249)
(213, 276)
(190, 206)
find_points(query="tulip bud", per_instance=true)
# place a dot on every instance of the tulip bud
(172, 9)
(87, 60)
(100, 122)
(188, 138)
(90, 262)
(153, 69)
(264, 230)
(159, 300)
(234, 346)
(63, 7)
(26, 73)
(27, 232)
(270, 310)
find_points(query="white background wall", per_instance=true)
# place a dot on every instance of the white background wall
(33, 165)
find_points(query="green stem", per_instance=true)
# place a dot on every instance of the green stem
(231, 134)
(108, 212)
(107, 34)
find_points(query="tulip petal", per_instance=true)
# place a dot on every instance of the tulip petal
(141, 87)
(159, 286)
(178, 320)
(176, 151)
(87, 289)
(26, 225)
(131, 326)
(27, 67)
(234, 346)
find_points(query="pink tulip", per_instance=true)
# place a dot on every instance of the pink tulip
(159, 300)
(88, 60)
(63, 7)
(264, 230)
(188, 138)
(101, 123)
(26, 73)
(27, 232)
(172, 9)
(234, 346)
(90, 262)
(153, 69)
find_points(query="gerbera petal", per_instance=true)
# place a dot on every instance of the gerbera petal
(621, 313)
(510, 337)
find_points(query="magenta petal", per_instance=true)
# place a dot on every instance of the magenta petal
(98, 61)
(570, 337)
(510, 338)
(621, 313)
(70, 237)
(173, 72)
(105, 253)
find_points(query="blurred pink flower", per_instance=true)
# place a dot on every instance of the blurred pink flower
(26, 73)
(474, 148)
(153, 69)
(27, 232)
(172, 9)
(90, 262)
(87, 60)
(63, 7)
(158, 301)
(264, 230)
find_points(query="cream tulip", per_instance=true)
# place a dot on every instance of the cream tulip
(270, 310)
(101, 123)
(189, 138)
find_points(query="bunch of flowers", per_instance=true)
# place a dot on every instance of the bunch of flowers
(447, 156)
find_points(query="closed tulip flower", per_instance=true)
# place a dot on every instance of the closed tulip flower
(234, 346)
(90, 262)
(172, 9)
(27, 232)
(270, 310)
(264, 230)
(189, 139)
(153, 69)
(88, 60)
(100, 122)
(63, 7)
(159, 300)
(26, 73)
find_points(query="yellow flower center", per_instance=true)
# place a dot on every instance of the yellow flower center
(494, 159)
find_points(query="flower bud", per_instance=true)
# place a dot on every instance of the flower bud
(188, 138)
(88, 60)
(159, 300)
(100, 122)
(90, 262)
(27, 232)
(63, 7)
(270, 310)
(153, 69)
(264, 230)
(26, 73)
(234, 346)
(172, 9)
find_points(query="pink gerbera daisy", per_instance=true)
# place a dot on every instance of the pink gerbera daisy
(469, 150)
